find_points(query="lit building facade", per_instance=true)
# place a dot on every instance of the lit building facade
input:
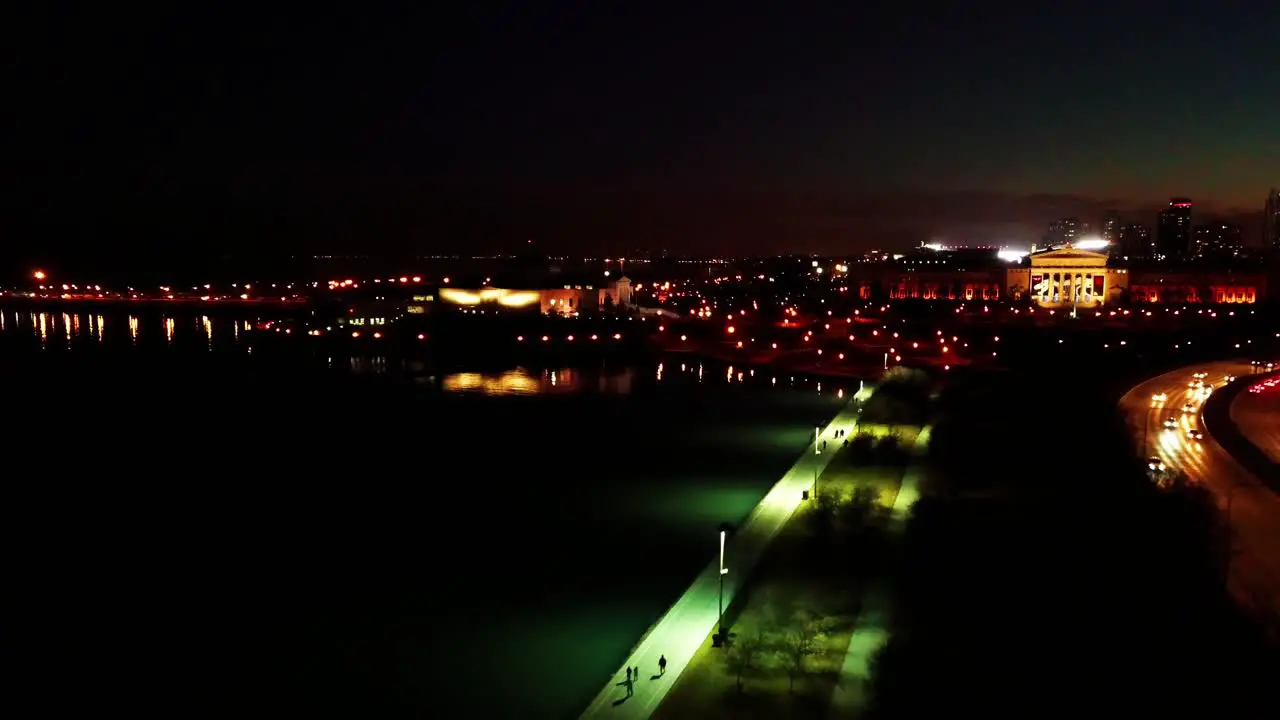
(1067, 277)
(569, 300)
(942, 285)
(1198, 288)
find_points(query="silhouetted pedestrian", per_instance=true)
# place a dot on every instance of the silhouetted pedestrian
(662, 664)
(637, 673)
(628, 674)
(630, 686)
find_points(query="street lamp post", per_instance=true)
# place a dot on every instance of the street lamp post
(723, 571)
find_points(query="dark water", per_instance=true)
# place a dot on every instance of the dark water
(192, 524)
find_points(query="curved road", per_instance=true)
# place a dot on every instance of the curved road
(1258, 416)
(1254, 510)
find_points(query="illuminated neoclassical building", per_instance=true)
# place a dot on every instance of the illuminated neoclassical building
(570, 299)
(1067, 277)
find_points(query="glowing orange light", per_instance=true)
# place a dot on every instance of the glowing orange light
(417, 279)
(519, 338)
(39, 275)
(731, 330)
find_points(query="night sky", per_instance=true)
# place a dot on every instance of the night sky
(695, 127)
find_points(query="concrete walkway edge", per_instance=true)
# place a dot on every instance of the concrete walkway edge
(849, 698)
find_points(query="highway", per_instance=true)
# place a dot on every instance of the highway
(681, 631)
(1258, 417)
(1254, 510)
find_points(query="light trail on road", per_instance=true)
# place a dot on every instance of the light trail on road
(1254, 508)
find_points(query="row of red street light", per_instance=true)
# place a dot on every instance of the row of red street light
(422, 336)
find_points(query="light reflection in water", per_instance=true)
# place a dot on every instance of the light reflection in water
(376, 365)
(74, 327)
(521, 382)
(733, 374)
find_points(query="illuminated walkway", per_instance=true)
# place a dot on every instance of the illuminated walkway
(681, 631)
(850, 695)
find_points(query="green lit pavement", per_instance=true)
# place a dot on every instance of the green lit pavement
(680, 632)
(850, 695)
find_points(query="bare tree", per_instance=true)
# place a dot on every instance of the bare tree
(744, 655)
(797, 643)
(859, 507)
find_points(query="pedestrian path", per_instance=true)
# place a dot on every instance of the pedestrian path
(681, 631)
(850, 695)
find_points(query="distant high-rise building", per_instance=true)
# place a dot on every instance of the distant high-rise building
(1063, 231)
(1173, 228)
(1111, 227)
(1216, 240)
(1271, 231)
(1135, 241)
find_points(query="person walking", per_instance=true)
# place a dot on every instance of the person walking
(662, 664)
(628, 673)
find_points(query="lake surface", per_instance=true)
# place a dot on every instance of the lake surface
(196, 523)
